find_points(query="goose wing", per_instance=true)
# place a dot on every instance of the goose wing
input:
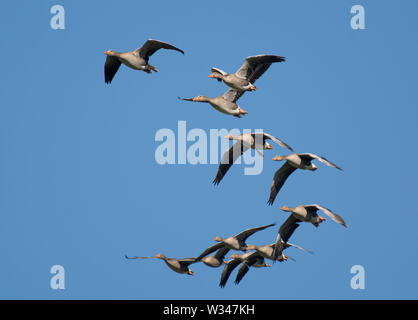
(254, 66)
(285, 232)
(311, 156)
(232, 95)
(278, 141)
(279, 179)
(217, 70)
(151, 46)
(337, 218)
(246, 233)
(111, 66)
(246, 265)
(209, 250)
(228, 159)
(221, 253)
(187, 261)
(229, 267)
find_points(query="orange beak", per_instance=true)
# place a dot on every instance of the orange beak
(268, 265)
(285, 208)
(106, 52)
(190, 272)
(195, 99)
(268, 147)
(211, 75)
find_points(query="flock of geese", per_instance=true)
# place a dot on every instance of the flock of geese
(239, 82)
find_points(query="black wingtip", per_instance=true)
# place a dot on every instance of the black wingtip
(216, 181)
(270, 202)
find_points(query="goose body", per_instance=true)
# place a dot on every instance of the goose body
(225, 103)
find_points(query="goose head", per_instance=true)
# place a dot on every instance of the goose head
(110, 53)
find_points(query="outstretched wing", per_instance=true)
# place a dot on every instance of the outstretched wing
(217, 70)
(221, 253)
(278, 141)
(246, 265)
(232, 95)
(111, 66)
(246, 233)
(337, 218)
(229, 267)
(279, 179)
(187, 261)
(209, 250)
(311, 156)
(285, 232)
(254, 66)
(288, 244)
(151, 46)
(228, 159)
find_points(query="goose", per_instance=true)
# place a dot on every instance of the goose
(236, 242)
(294, 161)
(302, 213)
(136, 59)
(252, 69)
(225, 103)
(267, 251)
(177, 265)
(247, 260)
(257, 141)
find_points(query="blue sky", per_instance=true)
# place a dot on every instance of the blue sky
(79, 185)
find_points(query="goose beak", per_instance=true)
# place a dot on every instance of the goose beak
(268, 265)
(211, 76)
(190, 272)
(107, 52)
(285, 208)
(253, 88)
(269, 146)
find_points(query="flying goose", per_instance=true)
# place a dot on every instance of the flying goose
(177, 265)
(136, 59)
(236, 242)
(247, 260)
(294, 161)
(257, 141)
(267, 251)
(252, 69)
(225, 103)
(302, 213)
